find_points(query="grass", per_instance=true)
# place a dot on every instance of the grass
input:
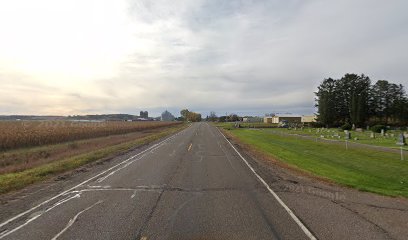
(19, 180)
(364, 169)
(389, 140)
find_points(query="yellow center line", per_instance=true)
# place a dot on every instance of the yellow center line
(189, 148)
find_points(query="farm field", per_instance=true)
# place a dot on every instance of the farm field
(22, 166)
(21, 134)
(366, 169)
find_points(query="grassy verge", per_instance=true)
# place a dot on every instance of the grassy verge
(15, 181)
(364, 169)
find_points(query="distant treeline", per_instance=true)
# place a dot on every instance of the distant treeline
(353, 99)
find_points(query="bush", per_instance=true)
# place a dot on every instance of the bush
(346, 126)
(377, 128)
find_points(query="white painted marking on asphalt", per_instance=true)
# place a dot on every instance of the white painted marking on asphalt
(76, 186)
(288, 210)
(189, 148)
(72, 221)
(134, 194)
(106, 186)
(63, 201)
(39, 214)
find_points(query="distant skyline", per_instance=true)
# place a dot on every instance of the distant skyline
(71, 57)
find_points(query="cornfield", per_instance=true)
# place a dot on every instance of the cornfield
(20, 134)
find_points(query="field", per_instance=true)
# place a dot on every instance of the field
(20, 134)
(363, 168)
(35, 151)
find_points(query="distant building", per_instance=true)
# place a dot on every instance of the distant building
(167, 116)
(309, 118)
(252, 119)
(279, 118)
(144, 114)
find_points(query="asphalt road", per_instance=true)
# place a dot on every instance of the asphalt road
(193, 185)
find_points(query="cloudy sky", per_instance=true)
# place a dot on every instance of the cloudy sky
(64, 57)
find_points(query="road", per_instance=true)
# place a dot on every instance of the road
(193, 185)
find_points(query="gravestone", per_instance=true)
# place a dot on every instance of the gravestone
(401, 140)
(348, 135)
(359, 130)
(392, 135)
(405, 134)
(368, 127)
(382, 132)
(356, 138)
(372, 135)
(353, 127)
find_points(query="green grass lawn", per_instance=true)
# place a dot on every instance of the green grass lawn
(389, 140)
(364, 137)
(364, 169)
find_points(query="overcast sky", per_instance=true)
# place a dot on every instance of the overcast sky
(64, 57)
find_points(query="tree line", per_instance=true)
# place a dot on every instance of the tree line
(187, 115)
(353, 99)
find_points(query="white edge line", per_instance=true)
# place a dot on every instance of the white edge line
(288, 210)
(73, 220)
(86, 181)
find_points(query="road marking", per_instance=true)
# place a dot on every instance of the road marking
(189, 148)
(288, 210)
(80, 184)
(72, 221)
(143, 238)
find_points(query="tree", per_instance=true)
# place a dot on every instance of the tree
(353, 100)
(326, 102)
(352, 92)
(184, 113)
(213, 117)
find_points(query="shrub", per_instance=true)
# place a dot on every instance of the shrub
(346, 126)
(377, 128)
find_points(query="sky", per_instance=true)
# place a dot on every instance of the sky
(250, 57)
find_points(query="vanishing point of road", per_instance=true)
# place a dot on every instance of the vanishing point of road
(192, 185)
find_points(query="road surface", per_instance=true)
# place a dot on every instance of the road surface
(193, 185)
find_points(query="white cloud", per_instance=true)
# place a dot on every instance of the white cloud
(244, 56)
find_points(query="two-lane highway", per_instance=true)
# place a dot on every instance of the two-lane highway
(193, 185)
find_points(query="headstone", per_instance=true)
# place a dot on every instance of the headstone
(405, 134)
(322, 136)
(348, 135)
(382, 132)
(372, 135)
(401, 140)
(359, 130)
(353, 127)
(368, 128)
(356, 138)
(392, 135)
